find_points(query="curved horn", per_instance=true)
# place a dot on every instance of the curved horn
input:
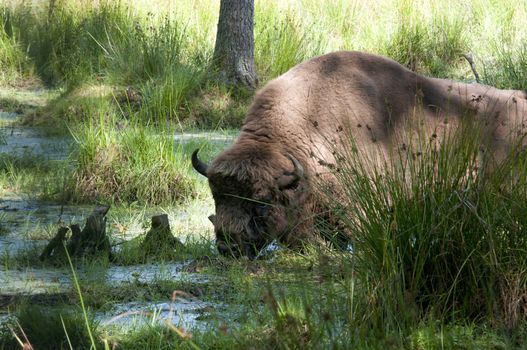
(289, 179)
(299, 170)
(197, 164)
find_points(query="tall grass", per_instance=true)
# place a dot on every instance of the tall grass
(30, 175)
(74, 41)
(433, 234)
(76, 44)
(282, 40)
(168, 99)
(131, 165)
(63, 40)
(50, 328)
(510, 68)
(14, 64)
(164, 49)
(431, 48)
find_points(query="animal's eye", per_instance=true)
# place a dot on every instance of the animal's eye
(261, 209)
(292, 186)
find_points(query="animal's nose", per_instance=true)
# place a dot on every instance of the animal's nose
(250, 251)
(223, 249)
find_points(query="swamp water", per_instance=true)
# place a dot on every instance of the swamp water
(25, 224)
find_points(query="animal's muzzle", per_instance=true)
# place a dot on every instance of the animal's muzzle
(236, 251)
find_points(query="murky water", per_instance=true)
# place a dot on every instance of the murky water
(25, 223)
(36, 280)
(29, 141)
(210, 137)
(8, 116)
(185, 313)
(184, 310)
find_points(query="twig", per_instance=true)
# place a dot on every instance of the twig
(26, 345)
(470, 60)
(59, 221)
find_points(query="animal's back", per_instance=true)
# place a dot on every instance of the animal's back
(306, 109)
(373, 98)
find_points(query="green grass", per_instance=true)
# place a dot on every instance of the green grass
(130, 165)
(282, 41)
(49, 328)
(433, 236)
(31, 177)
(439, 253)
(431, 48)
(510, 72)
(315, 300)
(14, 64)
(164, 53)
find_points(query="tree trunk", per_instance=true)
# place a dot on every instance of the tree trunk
(234, 50)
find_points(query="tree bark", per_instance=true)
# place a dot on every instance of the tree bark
(234, 50)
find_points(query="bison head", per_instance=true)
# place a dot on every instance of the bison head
(259, 196)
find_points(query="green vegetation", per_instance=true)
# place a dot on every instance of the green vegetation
(439, 252)
(118, 65)
(437, 237)
(29, 173)
(14, 65)
(116, 165)
(164, 53)
(51, 328)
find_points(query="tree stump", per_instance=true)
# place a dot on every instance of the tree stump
(159, 238)
(55, 245)
(92, 240)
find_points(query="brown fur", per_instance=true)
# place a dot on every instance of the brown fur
(304, 112)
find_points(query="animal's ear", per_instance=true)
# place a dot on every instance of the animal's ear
(287, 181)
(290, 179)
(212, 218)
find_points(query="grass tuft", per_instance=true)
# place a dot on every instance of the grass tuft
(131, 165)
(434, 48)
(50, 328)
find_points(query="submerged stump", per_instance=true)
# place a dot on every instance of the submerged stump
(159, 238)
(56, 245)
(91, 240)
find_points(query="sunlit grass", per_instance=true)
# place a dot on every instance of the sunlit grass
(435, 264)
(163, 50)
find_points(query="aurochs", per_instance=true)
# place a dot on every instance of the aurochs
(263, 185)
